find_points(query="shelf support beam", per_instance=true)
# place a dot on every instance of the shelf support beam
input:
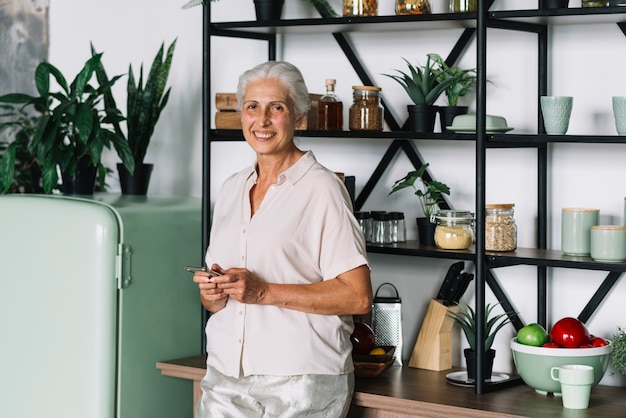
(599, 296)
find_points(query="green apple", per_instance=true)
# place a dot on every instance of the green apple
(532, 334)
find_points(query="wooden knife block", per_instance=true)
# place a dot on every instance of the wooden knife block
(433, 348)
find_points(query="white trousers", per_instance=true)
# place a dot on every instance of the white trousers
(319, 396)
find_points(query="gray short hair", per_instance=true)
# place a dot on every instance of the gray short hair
(288, 74)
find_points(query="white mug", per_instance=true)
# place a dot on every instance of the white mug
(576, 381)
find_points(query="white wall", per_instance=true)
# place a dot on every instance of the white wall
(585, 65)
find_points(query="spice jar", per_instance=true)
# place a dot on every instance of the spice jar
(454, 229)
(397, 232)
(366, 113)
(462, 6)
(360, 7)
(500, 228)
(365, 222)
(381, 223)
(412, 7)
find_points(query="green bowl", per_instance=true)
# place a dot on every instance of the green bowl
(534, 363)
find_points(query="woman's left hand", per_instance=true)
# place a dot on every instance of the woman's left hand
(241, 285)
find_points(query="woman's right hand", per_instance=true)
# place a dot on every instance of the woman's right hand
(213, 298)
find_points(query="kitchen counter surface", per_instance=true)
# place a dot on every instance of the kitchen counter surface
(410, 392)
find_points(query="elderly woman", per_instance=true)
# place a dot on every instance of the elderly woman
(291, 269)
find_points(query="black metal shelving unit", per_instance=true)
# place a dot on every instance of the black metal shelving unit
(473, 24)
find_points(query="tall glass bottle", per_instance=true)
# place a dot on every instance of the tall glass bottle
(330, 109)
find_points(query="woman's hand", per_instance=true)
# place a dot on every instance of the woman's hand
(241, 285)
(212, 297)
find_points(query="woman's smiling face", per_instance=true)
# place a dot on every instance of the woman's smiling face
(268, 117)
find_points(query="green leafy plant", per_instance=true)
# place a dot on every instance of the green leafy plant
(425, 83)
(322, 6)
(464, 80)
(73, 125)
(19, 168)
(466, 318)
(144, 103)
(618, 356)
(430, 194)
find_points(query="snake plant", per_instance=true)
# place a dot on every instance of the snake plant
(144, 101)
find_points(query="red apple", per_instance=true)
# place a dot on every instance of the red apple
(569, 332)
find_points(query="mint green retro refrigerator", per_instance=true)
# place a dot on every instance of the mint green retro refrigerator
(92, 294)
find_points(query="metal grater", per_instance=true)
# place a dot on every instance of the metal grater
(387, 321)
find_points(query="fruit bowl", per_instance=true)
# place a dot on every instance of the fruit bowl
(534, 363)
(367, 365)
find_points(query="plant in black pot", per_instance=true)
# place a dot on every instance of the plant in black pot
(424, 88)
(466, 318)
(144, 103)
(19, 168)
(430, 196)
(73, 128)
(272, 9)
(464, 83)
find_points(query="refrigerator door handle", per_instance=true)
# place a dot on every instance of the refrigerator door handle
(123, 266)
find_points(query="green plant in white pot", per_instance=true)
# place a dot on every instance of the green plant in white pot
(73, 129)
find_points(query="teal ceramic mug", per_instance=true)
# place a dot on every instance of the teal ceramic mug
(556, 112)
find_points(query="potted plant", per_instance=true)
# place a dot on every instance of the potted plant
(618, 356)
(19, 168)
(464, 82)
(144, 103)
(422, 85)
(430, 195)
(274, 12)
(73, 128)
(466, 318)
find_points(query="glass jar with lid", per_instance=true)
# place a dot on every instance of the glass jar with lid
(462, 6)
(412, 7)
(366, 112)
(360, 7)
(500, 227)
(455, 229)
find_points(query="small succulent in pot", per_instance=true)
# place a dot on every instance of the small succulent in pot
(425, 83)
(466, 318)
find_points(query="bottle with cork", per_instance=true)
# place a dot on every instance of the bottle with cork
(330, 109)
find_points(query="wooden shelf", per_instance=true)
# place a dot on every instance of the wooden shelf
(405, 391)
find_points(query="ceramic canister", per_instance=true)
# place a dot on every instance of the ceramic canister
(576, 226)
(608, 243)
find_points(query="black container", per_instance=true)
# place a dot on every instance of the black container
(553, 4)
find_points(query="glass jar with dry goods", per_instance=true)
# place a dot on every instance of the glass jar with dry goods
(462, 6)
(455, 229)
(412, 7)
(366, 112)
(360, 7)
(500, 228)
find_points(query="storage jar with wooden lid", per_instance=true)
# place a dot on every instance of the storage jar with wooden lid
(500, 227)
(366, 112)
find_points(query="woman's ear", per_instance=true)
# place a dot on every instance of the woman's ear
(301, 122)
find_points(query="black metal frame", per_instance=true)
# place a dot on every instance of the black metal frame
(535, 21)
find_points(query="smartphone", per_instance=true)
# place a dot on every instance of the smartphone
(203, 268)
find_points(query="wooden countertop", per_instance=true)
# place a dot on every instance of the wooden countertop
(418, 392)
